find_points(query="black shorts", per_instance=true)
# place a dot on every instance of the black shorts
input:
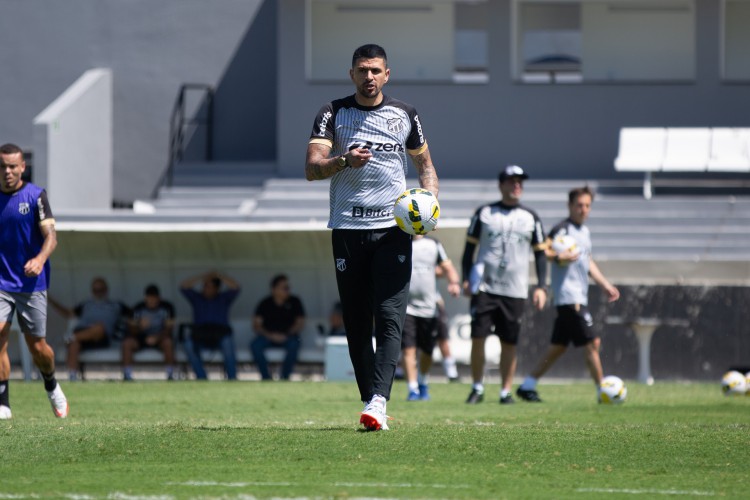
(505, 314)
(573, 325)
(419, 332)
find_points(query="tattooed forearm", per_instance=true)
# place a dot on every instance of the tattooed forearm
(317, 165)
(426, 171)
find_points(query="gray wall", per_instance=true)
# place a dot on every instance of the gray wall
(151, 46)
(557, 131)
(254, 52)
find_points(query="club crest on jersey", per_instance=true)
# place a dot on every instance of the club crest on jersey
(23, 208)
(395, 125)
(402, 258)
(341, 264)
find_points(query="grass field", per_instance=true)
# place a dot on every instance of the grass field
(242, 440)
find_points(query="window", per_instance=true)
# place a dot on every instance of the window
(566, 41)
(426, 40)
(736, 40)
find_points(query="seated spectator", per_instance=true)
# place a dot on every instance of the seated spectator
(100, 321)
(210, 329)
(278, 321)
(151, 326)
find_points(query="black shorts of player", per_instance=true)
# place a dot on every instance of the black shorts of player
(420, 333)
(505, 314)
(573, 325)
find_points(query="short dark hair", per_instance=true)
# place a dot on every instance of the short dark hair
(152, 290)
(574, 193)
(369, 51)
(278, 279)
(10, 149)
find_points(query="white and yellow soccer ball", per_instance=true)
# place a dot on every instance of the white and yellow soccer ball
(612, 391)
(733, 383)
(416, 211)
(564, 243)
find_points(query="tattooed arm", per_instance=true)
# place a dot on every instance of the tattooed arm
(426, 171)
(318, 165)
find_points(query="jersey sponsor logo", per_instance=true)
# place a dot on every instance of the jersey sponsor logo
(324, 122)
(387, 147)
(341, 265)
(419, 129)
(395, 125)
(23, 208)
(366, 213)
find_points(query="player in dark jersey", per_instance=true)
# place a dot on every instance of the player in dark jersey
(361, 143)
(570, 287)
(502, 235)
(27, 239)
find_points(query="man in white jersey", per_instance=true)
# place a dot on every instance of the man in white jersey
(502, 234)
(361, 142)
(420, 329)
(570, 286)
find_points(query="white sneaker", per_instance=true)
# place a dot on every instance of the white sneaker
(5, 413)
(59, 402)
(373, 416)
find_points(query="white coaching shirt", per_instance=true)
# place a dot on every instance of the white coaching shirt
(363, 198)
(506, 236)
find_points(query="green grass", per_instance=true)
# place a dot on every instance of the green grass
(159, 440)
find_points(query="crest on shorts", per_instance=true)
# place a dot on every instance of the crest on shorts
(341, 264)
(23, 208)
(402, 258)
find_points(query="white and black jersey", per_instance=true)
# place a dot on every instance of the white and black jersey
(570, 282)
(426, 255)
(363, 198)
(506, 236)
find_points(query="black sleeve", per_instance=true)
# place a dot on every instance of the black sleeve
(44, 210)
(540, 261)
(467, 260)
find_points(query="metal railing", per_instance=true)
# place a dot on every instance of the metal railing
(182, 126)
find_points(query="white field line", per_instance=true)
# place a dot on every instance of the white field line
(347, 484)
(647, 491)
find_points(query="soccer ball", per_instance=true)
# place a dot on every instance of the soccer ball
(612, 391)
(733, 383)
(564, 243)
(416, 211)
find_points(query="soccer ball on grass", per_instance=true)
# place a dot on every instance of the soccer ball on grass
(612, 391)
(733, 383)
(416, 211)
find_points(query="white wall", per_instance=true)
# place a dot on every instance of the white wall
(73, 145)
